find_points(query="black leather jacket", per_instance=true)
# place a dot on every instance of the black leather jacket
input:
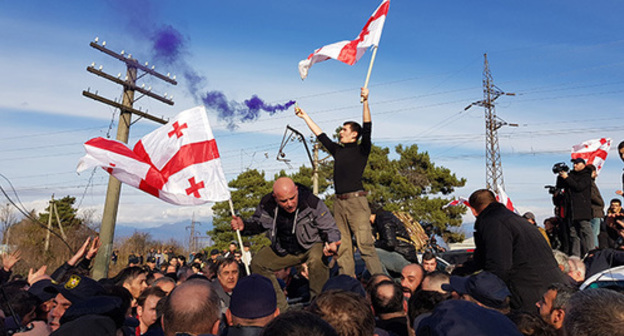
(392, 236)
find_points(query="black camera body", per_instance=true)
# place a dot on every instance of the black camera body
(559, 167)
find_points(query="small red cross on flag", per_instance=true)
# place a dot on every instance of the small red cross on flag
(177, 129)
(194, 188)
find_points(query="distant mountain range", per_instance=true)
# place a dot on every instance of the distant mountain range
(179, 231)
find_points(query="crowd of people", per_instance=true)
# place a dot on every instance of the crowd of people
(519, 281)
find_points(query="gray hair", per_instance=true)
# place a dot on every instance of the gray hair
(595, 312)
(562, 260)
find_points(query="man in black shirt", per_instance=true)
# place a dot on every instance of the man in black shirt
(351, 207)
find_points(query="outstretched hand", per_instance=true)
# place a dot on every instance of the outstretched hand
(299, 112)
(331, 249)
(9, 260)
(237, 223)
(80, 253)
(93, 250)
(38, 275)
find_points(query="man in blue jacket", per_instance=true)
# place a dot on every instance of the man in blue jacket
(301, 229)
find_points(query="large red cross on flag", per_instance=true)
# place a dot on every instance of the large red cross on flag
(350, 51)
(178, 162)
(593, 152)
(456, 202)
(501, 197)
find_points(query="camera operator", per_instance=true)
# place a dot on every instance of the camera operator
(577, 185)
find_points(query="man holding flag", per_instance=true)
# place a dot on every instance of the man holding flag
(351, 207)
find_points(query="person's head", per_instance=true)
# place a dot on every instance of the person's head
(480, 199)
(429, 262)
(374, 280)
(411, 277)
(151, 262)
(484, 289)
(75, 290)
(424, 301)
(193, 308)
(253, 302)
(246, 246)
(615, 205)
(550, 223)
(347, 312)
(23, 303)
(227, 273)
(387, 298)
(530, 217)
(214, 254)
(286, 194)
(592, 169)
(433, 281)
(232, 247)
(621, 150)
(298, 323)
(577, 269)
(595, 312)
(531, 324)
(133, 279)
(350, 132)
(579, 164)
(166, 284)
(237, 256)
(146, 305)
(551, 306)
(562, 261)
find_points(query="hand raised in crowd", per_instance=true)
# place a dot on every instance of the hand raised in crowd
(619, 192)
(299, 112)
(237, 223)
(9, 260)
(38, 275)
(364, 94)
(330, 249)
(93, 250)
(80, 253)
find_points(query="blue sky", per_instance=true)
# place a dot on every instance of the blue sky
(562, 59)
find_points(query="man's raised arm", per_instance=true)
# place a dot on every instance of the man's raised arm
(366, 115)
(311, 124)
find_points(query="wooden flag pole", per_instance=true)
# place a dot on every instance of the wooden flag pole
(370, 69)
(240, 239)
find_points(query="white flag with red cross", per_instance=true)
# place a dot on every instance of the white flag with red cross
(593, 152)
(178, 162)
(350, 52)
(457, 202)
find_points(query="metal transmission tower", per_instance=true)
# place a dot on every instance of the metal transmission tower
(493, 166)
(129, 83)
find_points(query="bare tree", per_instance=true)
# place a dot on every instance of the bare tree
(8, 218)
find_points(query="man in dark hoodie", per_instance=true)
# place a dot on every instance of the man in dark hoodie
(577, 185)
(301, 229)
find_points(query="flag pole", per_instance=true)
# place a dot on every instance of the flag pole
(240, 239)
(370, 69)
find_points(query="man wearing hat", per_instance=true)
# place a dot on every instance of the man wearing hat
(252, 306)
(484, 288)
(577, 183)
(530, 217)
(75, 290)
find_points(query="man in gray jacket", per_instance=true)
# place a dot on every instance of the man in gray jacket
(301, 229)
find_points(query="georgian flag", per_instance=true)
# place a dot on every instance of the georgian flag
(593, 152)
(456, 202)
(178, 162)
(501, 197)
(350, 51)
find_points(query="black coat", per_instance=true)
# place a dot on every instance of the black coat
(578, 189)
(393, 236)
(514, 249)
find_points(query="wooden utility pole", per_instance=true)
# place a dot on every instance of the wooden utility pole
(52, 209)
(111, 205)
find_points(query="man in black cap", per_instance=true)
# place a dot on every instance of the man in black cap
(75, 290)
(577, 183)
(252, 306)
(484, 288)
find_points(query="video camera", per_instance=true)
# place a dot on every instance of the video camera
(559, 167)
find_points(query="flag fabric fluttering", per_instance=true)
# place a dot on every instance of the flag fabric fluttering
(501, 197)
(456, 202)
(350, 51)
(593, 152)
(178, 162)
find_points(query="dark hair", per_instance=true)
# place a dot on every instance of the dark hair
(355, 127)
(595, 312)
(480, 199)
(155, 291)
(531, 324)
(564, 293)
(423, 302)
(383, 304)
(428, 256)
(347, 312)
(616, 200)
(21, 301)
(128, 274)
(225, 262)
(298, 323)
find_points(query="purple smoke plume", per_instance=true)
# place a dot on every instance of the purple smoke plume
(233, 111)
(169, 47)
